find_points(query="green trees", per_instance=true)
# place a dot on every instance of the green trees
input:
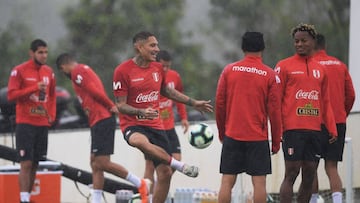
(14, 42)
(100, 33)
(276, 18)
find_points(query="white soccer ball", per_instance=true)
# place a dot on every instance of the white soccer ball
(201, 135)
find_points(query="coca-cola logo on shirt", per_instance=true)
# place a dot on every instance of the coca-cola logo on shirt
(311, 95)
(152, 96)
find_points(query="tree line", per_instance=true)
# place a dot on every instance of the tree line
(100, 33)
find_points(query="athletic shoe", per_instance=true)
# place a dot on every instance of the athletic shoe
(191, 171)
(144, 190)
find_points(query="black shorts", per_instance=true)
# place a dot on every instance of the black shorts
(301, 145)
(155, 136)
(174, 141)
(333, 151)
(252, 157)
(102, 137)
(31, 142)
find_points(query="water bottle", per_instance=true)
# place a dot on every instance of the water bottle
(123, 196)
(42, 95)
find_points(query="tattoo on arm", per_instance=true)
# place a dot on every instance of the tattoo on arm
(176, 95)
(121, 103)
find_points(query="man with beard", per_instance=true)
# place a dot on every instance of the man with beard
(32, 86)
(137, 84)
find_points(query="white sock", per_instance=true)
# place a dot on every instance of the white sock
(337, 197)
(24, 197)
(178, 165)
(96, 196)
(133, 179)
(314, 198)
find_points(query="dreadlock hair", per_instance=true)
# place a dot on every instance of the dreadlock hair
(302, 27)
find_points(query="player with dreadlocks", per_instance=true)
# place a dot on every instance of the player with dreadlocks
(305, 105)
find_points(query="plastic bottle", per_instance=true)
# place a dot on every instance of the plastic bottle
(123, 196)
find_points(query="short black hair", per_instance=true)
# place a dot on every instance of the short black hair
(36, 44)
(303, 27)
(64, 58)
(320, 41)
(143, 35)
(163, 55)
(252, 42)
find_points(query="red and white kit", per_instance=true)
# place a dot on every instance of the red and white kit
(173, 80)
(142, 88)
(91, 94)
(305, 93)
(241, 112)
(340, 84)
(23, 89)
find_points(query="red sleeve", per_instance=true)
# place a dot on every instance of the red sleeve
(181, 108)
(88, 85)
(52, 99)
(349, 93)
(274, 111)
(327, 112)
(14, 91)
(220, 105)
(120, 85)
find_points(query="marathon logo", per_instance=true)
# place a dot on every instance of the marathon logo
(330, 62)
(307, 110)
(249, 70)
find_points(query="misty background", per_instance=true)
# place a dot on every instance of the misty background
(203, 35)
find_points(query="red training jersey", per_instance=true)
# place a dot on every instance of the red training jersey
(173, 80)
(142, 88)
(247, 94)
(23, 89)
(91, 94)
(305, 94)
(340, 85)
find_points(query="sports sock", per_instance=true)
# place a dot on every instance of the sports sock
(314, 198)
(133, 179)
(337, 197)
(24, 196)
(178, 165)
(96, 196)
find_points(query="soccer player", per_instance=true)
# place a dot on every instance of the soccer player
(305, 105)
(340, 85)
(166, 113)
(248, 93)
(32, 86)
(99, 109)
(138, 83)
